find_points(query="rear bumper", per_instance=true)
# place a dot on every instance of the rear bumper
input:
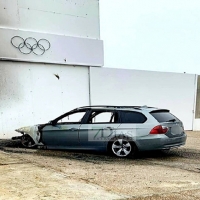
(160, 142)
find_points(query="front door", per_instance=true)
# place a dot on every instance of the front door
(64, 134)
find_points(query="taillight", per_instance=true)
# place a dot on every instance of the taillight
(159, 130)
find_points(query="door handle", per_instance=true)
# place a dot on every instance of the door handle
(73, 129)
(109, 128)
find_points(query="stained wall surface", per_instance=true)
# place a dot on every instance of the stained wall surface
(32, 94)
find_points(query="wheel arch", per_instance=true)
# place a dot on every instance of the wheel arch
(25, 137)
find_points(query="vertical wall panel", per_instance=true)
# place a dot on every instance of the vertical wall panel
(31, 94)
(9, 14)
(196, 126)
(78, 18)
(173, 91)
(197, 112)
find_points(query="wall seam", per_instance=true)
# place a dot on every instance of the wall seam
(89, 84)
(194, 102)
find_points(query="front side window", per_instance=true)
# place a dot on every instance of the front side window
(132, 117)
(72, 118)
(103, 117)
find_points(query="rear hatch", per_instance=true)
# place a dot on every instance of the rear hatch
(165, 118)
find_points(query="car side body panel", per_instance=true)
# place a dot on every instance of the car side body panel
(88, 134)
(61, 136)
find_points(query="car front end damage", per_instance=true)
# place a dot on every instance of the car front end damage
(31, 136)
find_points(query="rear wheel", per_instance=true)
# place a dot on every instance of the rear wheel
(122, 147)
(27, 141)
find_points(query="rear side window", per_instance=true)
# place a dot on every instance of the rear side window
(132, 117)
(163, 116)
(103, 117)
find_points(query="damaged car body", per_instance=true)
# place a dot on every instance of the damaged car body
(120, 130)
(30, 136)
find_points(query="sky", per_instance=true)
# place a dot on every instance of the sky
(156, 35)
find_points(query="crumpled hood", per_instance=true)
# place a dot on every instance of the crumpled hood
(25, 130)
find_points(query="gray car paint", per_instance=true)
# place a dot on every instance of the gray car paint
(78, 135)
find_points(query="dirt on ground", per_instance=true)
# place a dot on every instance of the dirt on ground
(47, 174)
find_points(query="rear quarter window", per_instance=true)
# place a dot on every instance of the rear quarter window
(163, 116)
(132, 117)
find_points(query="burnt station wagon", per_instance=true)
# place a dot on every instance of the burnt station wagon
(120, 130)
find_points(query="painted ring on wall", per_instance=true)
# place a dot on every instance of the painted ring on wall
(30, 44)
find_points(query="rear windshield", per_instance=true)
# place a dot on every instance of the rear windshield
(164, 116)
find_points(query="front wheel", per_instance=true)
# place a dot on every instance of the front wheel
(122, 147)
(27, 141)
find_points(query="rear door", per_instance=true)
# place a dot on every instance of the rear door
(165, 118)
(99, 128)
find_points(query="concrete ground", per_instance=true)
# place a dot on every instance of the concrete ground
(46, 174)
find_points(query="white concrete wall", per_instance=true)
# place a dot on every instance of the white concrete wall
(78, 18)
(29, 91)
(65, 50)
(173, 91)
(31, 94)
(71, 27)
(196, 125)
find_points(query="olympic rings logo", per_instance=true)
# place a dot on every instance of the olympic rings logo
(30, 44)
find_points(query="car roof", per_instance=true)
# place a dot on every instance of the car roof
(114, 107)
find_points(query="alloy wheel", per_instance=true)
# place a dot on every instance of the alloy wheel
(121, 147)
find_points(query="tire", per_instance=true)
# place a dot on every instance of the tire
(27, 142)
(122, 147)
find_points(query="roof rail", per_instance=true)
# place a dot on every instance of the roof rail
(106, 106)
(114, 106)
